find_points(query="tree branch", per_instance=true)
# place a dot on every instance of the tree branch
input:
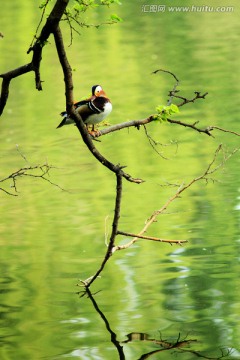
(115, 222)
(67, 71)
(7, 77)
(192, 126)
(137, 124)
(179, 242)
(210, 128)
(29, 171)
(117, 169)
(187, 101)
(174, 90)
(209, 170)
(51, 23)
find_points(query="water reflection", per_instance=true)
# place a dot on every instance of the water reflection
(8, 312)
(181, 345)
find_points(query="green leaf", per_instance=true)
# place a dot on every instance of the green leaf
(108, 2)
(115, 17)
(174, 108)
(164, 111)
(44, 4)
(156, 117)
(160, 108)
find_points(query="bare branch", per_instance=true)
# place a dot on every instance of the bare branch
(210, 128)
(137, 124)
(29, 171)
(115, 222)
(174, 90)
(192, 126)
(153, 143)
(7, 192)
(132, 123)
(187, 101)
(117, 169)
(209, 170)
(168, 72)
(44, 7)
(7, 77)
(51, 23)
(179, 242)
(67, 71)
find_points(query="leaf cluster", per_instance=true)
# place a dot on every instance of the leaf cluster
(81, 6)
(165, 111)
(74, 15)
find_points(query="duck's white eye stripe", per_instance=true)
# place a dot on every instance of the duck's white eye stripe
(98, 89)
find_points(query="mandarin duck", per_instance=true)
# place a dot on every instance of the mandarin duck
(92, 110)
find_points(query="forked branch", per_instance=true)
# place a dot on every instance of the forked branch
(211, 168)
(205, 176)
(36, 171)
(117, 169)
(51, 23)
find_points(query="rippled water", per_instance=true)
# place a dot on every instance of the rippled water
(150, 296)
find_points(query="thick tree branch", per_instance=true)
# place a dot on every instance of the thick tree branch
(7, 77)
(50, 25)
(67, 71)
(117, 169)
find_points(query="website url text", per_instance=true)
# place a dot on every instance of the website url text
(193, 8)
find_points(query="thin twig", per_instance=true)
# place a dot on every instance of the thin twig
(168, 72)
(40, 21)
(193, 126)
(210, 128)
(174, 90)
(169, 241)
(115, 222)
(209, 171)
(27, 171)
(185, 100)
(153, 143)
(106, 230)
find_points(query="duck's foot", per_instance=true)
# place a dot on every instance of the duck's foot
(94, 133)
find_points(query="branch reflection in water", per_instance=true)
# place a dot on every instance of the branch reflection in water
(178, 343)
